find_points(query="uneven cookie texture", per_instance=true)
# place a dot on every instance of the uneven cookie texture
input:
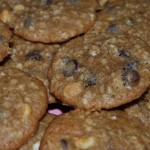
(49, 21)
(33, 58)
(104, 72)
(123, 17)
(5, 35)
(104, 130)
(140, 109)
(34, 142)
(23, 102)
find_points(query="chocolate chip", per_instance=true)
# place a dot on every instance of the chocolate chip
(123, 53)
(11, 44)
(73, 2)
(47, 2)
(133, 65)
(64, 144)
(70, 66)
(28, 22)
(130, 77)
(90, 79)
(34, 55)
(112, 28)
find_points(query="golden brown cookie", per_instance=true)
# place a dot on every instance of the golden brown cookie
(5, 35)
(104, 130)
(104, 72)
(34, 142)
(49, 21)
(33, 58)
(23, 102)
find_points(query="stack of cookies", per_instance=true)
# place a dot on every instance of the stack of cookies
(91, 57)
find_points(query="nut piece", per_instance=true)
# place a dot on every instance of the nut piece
(19, 7)
(84, 142)
(27, 110)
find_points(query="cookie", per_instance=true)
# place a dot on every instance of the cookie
(140, 109)
(124, 17)
(33, 58)
(77, 130)
(101, 73)
(34, 142)
(49, 21)
(5, 35)
(23, 103)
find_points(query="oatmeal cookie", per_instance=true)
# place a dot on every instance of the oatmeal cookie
(123, 17)
(33, 58)
(48, 21)
(101, 73)
(104, 130)
(34, 142)
(23, 102)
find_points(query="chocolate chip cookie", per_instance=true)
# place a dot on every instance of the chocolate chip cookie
(124, 17)
(23, 101)
(101, 73)
(34, 142)
(33, 58)
(5, 35)
(49, 21)
(104, 130)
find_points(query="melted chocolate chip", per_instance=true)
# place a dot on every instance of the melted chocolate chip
(28, 22)
(123, 53)
(133, 65)
(64, 144)
(48, 2)
(112, 28)
(130, 77)
(11, 44)
(90, 79)
(34, 55)
(70, 66)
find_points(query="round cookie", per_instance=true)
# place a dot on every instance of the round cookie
(140, 109)
(49, 21)
(5, 35)
(33, 58)
(34, 142)
(102, 73)
(123, 17)
(23, 101)
(104, 130)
